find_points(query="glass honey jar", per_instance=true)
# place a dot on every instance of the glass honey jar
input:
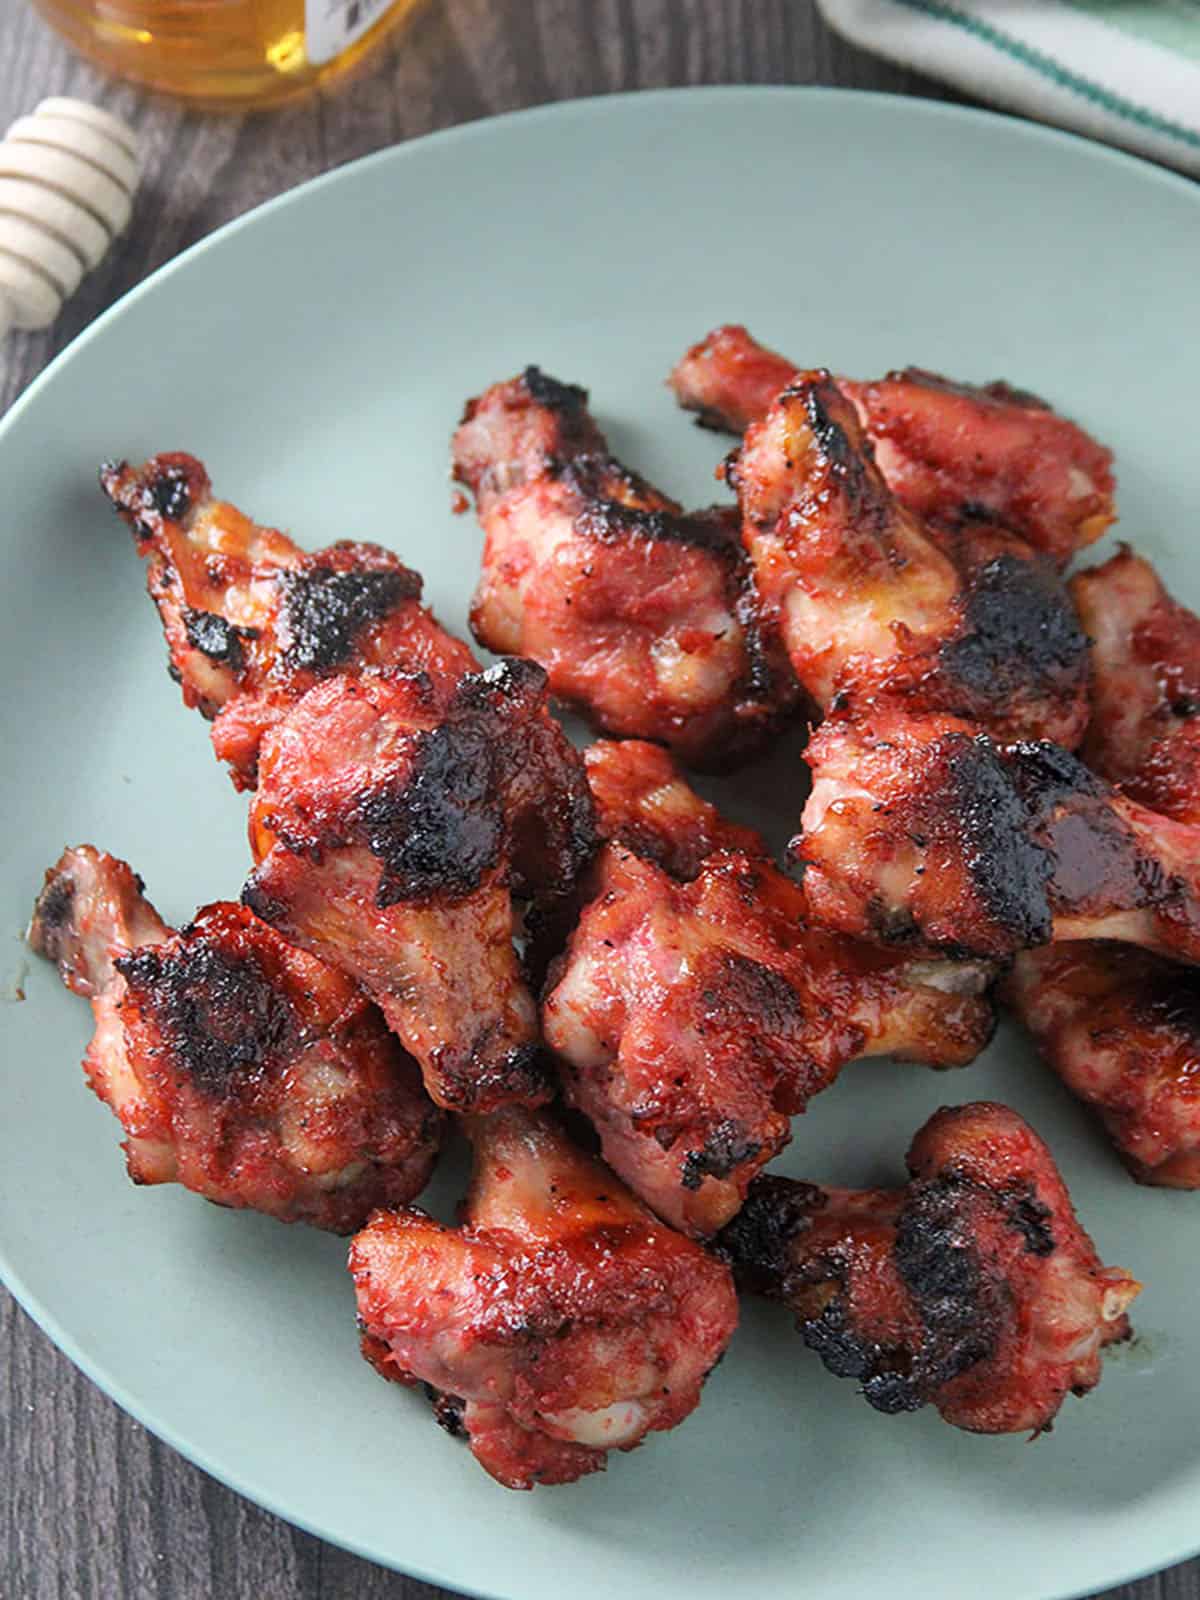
(235, 54)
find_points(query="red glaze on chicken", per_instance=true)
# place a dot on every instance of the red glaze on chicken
(873, 607)
(922, 830)
(644, 803)
(246, 1070)
(974, 1289)
(948, 451)
(643, 616)
(252, 621)
(1145, 728)
(693, 1020)
(561, 1321)
(1121, 1028)
(390, 829)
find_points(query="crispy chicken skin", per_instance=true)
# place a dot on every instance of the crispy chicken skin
(692, 1020)
(251, 620)
(644, 803)
(948, 451)
(643, 616)
(390, 830)
(873, 607)
(1121, 1028)
(1145, 729)
(921, 830)
(559, 1322)
(246, 1070)
(973, 1289)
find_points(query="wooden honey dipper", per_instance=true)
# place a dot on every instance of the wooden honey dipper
(68, 172)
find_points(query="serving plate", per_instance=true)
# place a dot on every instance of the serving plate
(316, 354)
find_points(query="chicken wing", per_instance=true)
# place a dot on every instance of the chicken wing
(1121, 1028)
(921, 830)
(246, 1070)
(559, 1322)
(1145, 728)
(692, 1020)
(252, 621)
(974, 1289)
(643, 616)
(873, 607)
(390, 830)
(948, 451)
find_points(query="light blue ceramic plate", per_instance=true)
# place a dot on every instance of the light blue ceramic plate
(317, 355)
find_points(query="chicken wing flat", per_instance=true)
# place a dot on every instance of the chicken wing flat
(692, 1020)
(252, 621)
(560, 1322)
(390, 829)
(974, 1289)
(921, 830)
(643, 616)
(873, 607)
(246, 1070)
(948, 451)
(644, 803)
(1121, 1028)
(1145, 728)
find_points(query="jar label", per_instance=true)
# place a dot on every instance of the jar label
(331, 26)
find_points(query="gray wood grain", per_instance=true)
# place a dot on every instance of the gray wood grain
(92, 1507)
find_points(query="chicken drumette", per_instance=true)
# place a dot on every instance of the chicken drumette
(922, 830)
(874, 607)
(693, 1018)
(973, 1289)
(246, 1070)
(1145, 729)
(643, 616)
(951, 452)
(391, 828)
(559, 1322)
(252, 621)
(1121, 1028)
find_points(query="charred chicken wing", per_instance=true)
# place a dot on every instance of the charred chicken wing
(949, 451)
(251, 620)
(922, 830)
(1121, 1028)
(974, 1289)
(390, 830)
(692, 1020)
(872, 606)
(559, 1322)
(643, 616)
(246, 1070)
(1145, 729)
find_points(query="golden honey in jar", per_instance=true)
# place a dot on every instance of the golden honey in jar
(231, 53)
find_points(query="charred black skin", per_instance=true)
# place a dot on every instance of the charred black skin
(322, 611)
(217, 638)
(221, 1018)
(1019, 631)
(726, 1147)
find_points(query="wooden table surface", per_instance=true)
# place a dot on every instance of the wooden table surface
(91, 1505)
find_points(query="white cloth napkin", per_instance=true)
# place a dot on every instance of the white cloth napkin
(1127, 71)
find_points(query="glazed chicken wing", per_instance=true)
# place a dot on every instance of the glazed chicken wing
(921, 830)
(948, 451)
(559, 1322)
(872, 606)
(251, 620)
(246, 1070)
(643, 616)
(1145, 729)
(643, 802)
(974, 1289)
(390, 830)
(1121, 1028)
(692, 1020)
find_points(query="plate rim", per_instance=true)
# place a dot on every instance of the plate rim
(599, 106)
